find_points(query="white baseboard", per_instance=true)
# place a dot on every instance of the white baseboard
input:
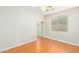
(17, 45)
(62, 41)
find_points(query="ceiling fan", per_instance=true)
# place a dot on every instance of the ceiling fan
(46, 8)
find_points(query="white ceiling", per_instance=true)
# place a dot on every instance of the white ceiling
(56, 9)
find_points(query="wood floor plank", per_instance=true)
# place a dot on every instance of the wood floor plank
(44, 45)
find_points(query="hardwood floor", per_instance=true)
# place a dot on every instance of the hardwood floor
(44, 45)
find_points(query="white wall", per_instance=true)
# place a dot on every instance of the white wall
(72, 35)
(17, 25)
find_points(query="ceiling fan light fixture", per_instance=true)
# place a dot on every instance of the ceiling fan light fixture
(46, 8)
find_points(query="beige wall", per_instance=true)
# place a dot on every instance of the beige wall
(17, 25)
(73, 27)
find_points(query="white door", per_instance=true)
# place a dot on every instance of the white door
(40, 29)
